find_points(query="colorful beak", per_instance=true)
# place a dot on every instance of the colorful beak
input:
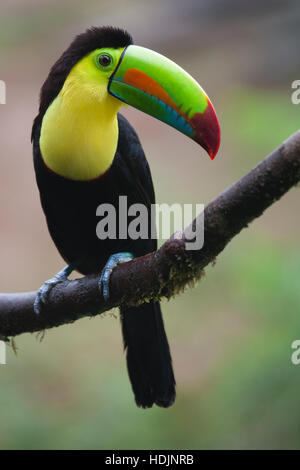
(157, 86)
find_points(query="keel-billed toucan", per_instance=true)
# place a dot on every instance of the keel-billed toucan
(86, 154)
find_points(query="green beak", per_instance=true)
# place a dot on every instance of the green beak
(157, 86)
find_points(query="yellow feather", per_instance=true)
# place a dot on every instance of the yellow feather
(79, 133)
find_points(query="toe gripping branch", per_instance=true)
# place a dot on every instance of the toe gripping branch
(43, 292)
(112, 262)
(61, 276)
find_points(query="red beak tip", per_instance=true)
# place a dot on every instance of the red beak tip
(207, 130)
(213, 154)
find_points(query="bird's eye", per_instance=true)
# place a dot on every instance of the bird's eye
(104, 60)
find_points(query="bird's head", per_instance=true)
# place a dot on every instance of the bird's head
(110, 69)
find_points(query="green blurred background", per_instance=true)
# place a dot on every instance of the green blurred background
(231, 336)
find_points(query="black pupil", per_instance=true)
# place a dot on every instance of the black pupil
(104, 60)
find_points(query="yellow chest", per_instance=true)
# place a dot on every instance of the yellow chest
(79, 134)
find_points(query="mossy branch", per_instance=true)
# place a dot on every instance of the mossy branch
(167, 271)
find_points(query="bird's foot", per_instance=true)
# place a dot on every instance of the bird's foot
(43, 292)
(113, 261)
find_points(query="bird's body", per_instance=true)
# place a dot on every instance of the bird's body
(86, 154)
(70, 209)
(70, 206)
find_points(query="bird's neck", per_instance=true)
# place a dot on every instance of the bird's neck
(79, 133)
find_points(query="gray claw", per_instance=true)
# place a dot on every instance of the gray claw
(113, 261)
(43, 292)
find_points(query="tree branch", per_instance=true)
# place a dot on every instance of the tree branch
(168, 270)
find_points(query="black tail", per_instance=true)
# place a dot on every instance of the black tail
(148, 355)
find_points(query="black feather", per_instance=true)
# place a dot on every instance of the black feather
(148, 356)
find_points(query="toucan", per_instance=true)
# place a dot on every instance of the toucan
(86, 154)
